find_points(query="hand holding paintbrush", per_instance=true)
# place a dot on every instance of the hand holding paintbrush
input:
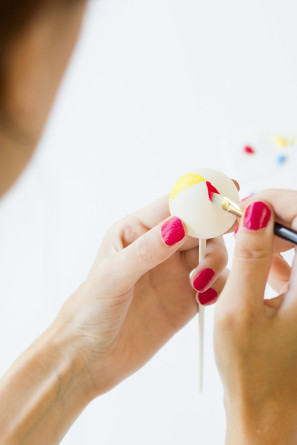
(280, 230)
(255, 338)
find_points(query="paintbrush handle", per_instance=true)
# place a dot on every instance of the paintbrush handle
(202, 253)
(285, 233)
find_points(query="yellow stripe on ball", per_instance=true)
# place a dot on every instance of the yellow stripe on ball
(185, 182)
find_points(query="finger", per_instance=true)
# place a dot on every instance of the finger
(290, 298)
(191, 252)
(120, 271)
(280, 245)
(283, 202)
(272, 305)
(211, 266)
(190, 243)
(212, 294)
(279, 274)
(154, 213)
(136, 224)
(190, 258)
(252, 258)
(236, 184)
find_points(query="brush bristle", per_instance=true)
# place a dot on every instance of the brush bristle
(217, 199)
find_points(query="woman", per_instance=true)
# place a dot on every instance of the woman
(137, 294)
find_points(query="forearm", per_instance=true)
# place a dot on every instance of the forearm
(43, 392)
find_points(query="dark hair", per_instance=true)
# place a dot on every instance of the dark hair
(14, 15)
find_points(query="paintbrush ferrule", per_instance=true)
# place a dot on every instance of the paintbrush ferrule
(226, 204)
(233, 208)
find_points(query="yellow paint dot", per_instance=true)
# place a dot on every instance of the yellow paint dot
(283, 142)
(185, 182)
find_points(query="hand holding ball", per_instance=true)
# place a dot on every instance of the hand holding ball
(191, 202)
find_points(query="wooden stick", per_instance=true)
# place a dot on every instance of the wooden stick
(202, 252)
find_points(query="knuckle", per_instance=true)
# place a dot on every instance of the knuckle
(100, 275)
(142, 252)
(236, 325)
(114, 228)
(226, 320)
(239, 316)
(223, 257)
(255, 252)
(103, 271)
(217, 252)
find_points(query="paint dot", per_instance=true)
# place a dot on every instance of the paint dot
(283, 142)
(249, 150)
(281, 159)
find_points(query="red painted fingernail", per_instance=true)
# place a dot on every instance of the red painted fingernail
(236, 230)
(257, 216)
(172, 231)
(207, 297)
(203, 279)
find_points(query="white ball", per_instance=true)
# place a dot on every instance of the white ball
(189, 201)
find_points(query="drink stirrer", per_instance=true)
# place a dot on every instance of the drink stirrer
(202, 252)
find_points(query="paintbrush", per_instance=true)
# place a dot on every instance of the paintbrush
(281, 231)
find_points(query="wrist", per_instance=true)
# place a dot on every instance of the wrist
(44, 391)
(89, 344)
(70, 367)
(94, 367)
(257, 423)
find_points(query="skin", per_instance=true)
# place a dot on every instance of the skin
(137, 294)
(255, 340)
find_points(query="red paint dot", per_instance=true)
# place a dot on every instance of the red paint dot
(249, 150)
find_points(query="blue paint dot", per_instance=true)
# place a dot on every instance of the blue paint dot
(281, 159)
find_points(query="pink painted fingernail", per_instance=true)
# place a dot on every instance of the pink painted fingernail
(173, 231)
(257, 216)
(207, 297)
(236, 230)
(203, 279)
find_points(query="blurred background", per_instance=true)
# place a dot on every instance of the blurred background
(155, 89)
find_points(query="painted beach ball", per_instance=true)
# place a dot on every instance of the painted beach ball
(190, 200)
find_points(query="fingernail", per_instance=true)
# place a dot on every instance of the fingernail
(203, 279)
(236, 230)
(257, 216)
(207, 296)
(172, 231)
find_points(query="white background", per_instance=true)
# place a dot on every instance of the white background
(153, 90)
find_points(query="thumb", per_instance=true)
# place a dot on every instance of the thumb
(252, 258)
(145, 253)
